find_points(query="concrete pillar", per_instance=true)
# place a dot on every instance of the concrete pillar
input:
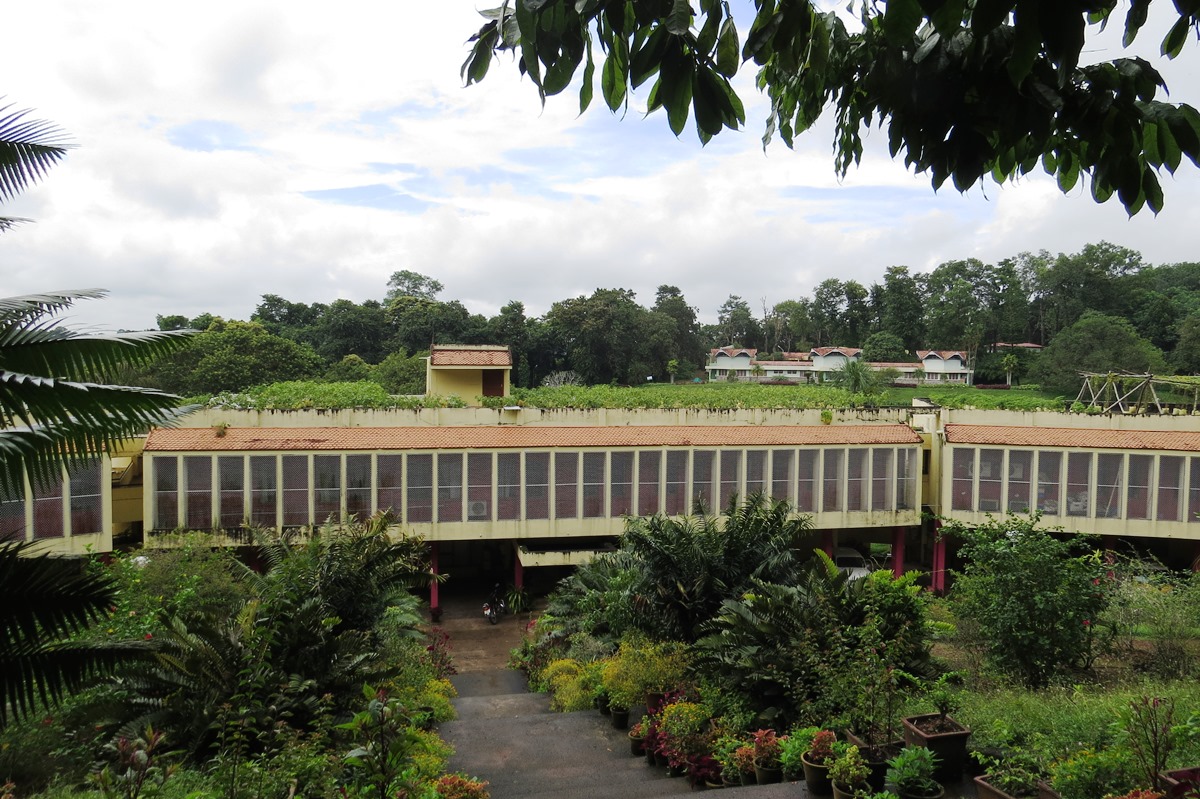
(518, 569)
(938, 573)
(435, 610)
(827, 542)
(899, 534)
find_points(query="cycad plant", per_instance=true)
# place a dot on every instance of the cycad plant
(55, 405)
(43, 602)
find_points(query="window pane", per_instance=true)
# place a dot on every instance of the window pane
(358, 486)
(620, 501)
(166, 493)
(806, 480)
(756, 471)
(881, 479)
(856, 480)
(48, 510)
(231, 474)
(1020, 479)
(703, 475)
(648, 466)
(86, 499)
(1049, 471)
(263, 491)
(197, 470)
(327, 475)
(389, 474)
(906, 478)
(991, 479)
(593, 484)
(12, 515)
(962, 476)
(1079, 475)
(1170, 487)
(419, 483)
(677, 497)
(479, 486)
(1108, 484)
(731, 476)
(295, 490)
(1194, 492)
(832, 480)
(449, 486)
(566, 485)
(781, 474)
(537, 485)
(1138, 499)
(508, 485)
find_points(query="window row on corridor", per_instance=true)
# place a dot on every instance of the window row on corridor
(1076, 483)
(215, 490)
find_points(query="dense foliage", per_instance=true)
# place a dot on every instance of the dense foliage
(609, 338)
(255, 683)
(1035, 598)
(965, 90)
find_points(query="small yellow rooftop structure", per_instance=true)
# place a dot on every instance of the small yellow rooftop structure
(468, 371)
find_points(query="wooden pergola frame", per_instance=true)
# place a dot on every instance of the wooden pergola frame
(1127, 393)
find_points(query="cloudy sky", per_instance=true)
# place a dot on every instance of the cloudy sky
(229, 150)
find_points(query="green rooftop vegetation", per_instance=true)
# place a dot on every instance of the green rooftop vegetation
(305, 395)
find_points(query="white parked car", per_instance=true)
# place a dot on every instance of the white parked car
(851, 562)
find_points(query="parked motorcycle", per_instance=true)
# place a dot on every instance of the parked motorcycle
(495, 606)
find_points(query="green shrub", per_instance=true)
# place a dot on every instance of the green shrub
(1034, 597)
(1091, 773)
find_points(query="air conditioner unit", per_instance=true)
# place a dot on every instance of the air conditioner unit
(477, 508)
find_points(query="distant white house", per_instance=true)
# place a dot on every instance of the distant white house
(741, 364)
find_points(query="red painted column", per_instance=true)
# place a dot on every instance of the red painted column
(938, 578)
(899, 534)
(827, 542)
(518, 569)
(434, 609)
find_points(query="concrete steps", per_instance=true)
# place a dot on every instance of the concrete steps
(526, 751)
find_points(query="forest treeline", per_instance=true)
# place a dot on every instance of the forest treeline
(1102, 308)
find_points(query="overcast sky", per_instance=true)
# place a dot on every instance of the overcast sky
(229, 150)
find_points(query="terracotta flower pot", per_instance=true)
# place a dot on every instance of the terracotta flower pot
(816, 777)
(949, 744)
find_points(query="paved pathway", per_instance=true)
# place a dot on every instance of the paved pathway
(511, 738)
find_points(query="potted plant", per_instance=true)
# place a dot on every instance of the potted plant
(910, 774)
(622, 685)
(682, 725)
(848, 773)
(637, 737)
(725, 749)
(743, 757)
(817, 761)
(875, 717)
(792, 749)
(767, 765)
(939, 732)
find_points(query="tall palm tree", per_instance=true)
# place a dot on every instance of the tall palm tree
(56, 405)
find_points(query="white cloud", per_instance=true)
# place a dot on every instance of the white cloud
(522, 202)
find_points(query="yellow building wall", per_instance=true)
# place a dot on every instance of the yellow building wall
(466, 384)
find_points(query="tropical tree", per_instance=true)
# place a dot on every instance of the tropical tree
(1096, 343)
(966, 90)
(687, 566)
(856, 376)
(55, 403)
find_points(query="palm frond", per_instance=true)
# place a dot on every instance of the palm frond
(46, 597)
(34, 675)
(51, 350)
(28, 148)
(36, 306)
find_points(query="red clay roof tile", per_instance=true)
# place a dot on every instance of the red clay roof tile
(242, 439)
(1072, 437)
